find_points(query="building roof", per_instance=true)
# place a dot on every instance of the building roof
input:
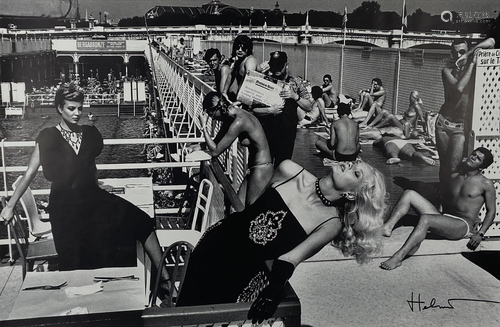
(213, 7)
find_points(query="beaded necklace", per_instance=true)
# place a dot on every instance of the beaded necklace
(321, 196)
(74, 139)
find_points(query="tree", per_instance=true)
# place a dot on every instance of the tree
(365, 16)
(420, 21)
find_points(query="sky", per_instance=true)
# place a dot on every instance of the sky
(129, 8)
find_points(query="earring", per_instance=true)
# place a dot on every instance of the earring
(348, 195)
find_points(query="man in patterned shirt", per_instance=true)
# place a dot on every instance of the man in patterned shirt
(280, 122)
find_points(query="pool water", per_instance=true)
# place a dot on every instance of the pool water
(110, 127)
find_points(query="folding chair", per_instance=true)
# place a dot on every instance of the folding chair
(175, 259)
(43, 249)
(38, 223)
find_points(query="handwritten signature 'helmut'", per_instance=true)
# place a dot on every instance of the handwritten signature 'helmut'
(416, 303)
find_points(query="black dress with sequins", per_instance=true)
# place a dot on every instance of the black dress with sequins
(92, 228)
(228, 264)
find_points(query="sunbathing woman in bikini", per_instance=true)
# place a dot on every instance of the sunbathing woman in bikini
(241, 124)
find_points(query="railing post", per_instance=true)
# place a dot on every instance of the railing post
(398, 71)
(4, 167)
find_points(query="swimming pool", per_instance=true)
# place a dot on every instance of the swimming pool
(110, 127)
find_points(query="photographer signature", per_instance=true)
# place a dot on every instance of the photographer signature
(413, 302)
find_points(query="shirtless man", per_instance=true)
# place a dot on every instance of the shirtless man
(373, 99)
(343, 144)
(450, 129)
(221, 71)
(467, 192)
(244, 62)
(329, 93)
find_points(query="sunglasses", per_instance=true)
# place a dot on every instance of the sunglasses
(241, 46)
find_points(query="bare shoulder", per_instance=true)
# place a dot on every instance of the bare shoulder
(251, 61)
(286, 170)
(487, 183)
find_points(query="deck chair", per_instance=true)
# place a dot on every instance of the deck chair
(199, 218)
(175, 259)
(199, 195)
(38, 223)
(43, 249)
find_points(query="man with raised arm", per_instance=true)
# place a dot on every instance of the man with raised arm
(450, 123)
(468, 190)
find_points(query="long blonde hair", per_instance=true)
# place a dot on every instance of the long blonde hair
(362, 219)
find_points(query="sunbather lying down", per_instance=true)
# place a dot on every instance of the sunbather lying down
(396, 149)
(377, 133)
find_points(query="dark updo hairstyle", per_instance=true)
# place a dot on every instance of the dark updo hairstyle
(244, 40)
(68, 92)
(214, 97)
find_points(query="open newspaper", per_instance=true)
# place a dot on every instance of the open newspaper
(259, 90)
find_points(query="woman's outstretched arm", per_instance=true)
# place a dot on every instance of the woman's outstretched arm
(24, 183)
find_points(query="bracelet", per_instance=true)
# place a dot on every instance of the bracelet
(298, 98)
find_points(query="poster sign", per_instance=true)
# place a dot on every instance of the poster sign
(258, 89)
(100, 45)
(488, 58)
(13, 111)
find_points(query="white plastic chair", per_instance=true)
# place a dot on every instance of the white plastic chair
(38, 228)
(202, 206)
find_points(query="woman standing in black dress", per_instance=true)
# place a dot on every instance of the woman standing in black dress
(91, 227)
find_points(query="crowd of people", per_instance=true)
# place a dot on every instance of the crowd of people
(97, 90)
(290, 214)
(347, 208)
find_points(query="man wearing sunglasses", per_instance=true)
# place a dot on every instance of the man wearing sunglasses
(244, 61)
(450, 129)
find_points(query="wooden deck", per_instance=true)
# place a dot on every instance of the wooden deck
(398, 177)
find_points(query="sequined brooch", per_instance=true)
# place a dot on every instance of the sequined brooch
(265, 227)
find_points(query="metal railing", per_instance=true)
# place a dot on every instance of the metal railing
(181, 95)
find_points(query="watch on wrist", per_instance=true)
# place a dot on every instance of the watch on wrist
(480, 234)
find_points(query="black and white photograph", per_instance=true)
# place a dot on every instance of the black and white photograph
(238, 163)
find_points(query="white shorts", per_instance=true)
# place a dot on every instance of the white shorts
(468, 234)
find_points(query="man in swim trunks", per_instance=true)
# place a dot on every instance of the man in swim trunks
(329, 93)
(343, 144)
(450, 124)
(467, 192)
(371, 100)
